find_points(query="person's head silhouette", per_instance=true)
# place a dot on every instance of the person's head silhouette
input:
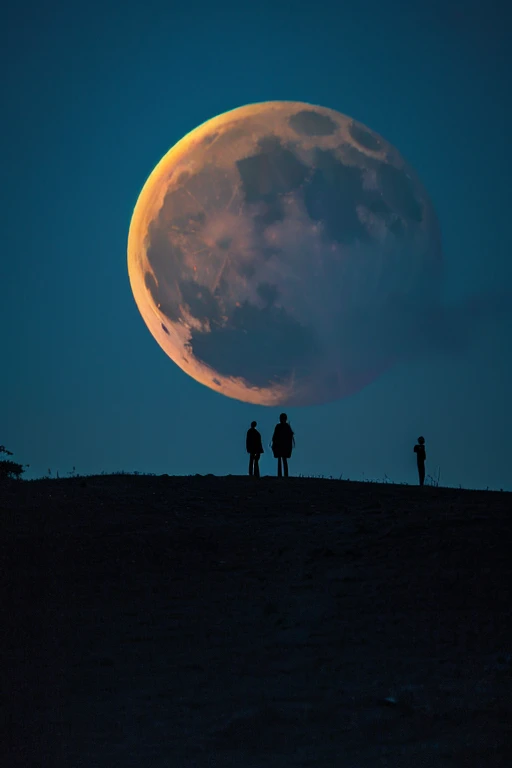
(253, 424)
(421, 440)
(283, 418)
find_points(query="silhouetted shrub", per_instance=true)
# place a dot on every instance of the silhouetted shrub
(9, 469)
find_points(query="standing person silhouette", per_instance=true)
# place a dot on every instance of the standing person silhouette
(282, 444)
(421, 457)
(254, 448)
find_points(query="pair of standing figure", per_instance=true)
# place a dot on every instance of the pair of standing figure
(282, 446)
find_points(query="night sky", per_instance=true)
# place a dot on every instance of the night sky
(94, 94)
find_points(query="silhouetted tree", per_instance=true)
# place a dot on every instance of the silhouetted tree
(9, 469)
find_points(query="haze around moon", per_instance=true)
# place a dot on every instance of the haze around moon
(284, 254)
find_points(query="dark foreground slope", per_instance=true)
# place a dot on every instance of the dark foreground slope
(181, 622)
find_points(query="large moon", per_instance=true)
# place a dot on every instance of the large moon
(283, 253)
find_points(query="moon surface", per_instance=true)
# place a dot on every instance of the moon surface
(283, 253)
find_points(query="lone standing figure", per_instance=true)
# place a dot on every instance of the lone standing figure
(254, 448)
(421, 457)
(282, 444)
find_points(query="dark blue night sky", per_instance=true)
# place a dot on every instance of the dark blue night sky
(96, 93)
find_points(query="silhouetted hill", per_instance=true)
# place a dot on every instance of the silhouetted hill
(205, 621)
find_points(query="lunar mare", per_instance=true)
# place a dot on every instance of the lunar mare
(281, 253)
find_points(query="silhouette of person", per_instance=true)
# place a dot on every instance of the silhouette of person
(254, 449)
(282, 444)
(421, 457)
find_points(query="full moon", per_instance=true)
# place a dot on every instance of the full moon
(280, 254)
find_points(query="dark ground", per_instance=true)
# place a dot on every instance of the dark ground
(164, 622)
